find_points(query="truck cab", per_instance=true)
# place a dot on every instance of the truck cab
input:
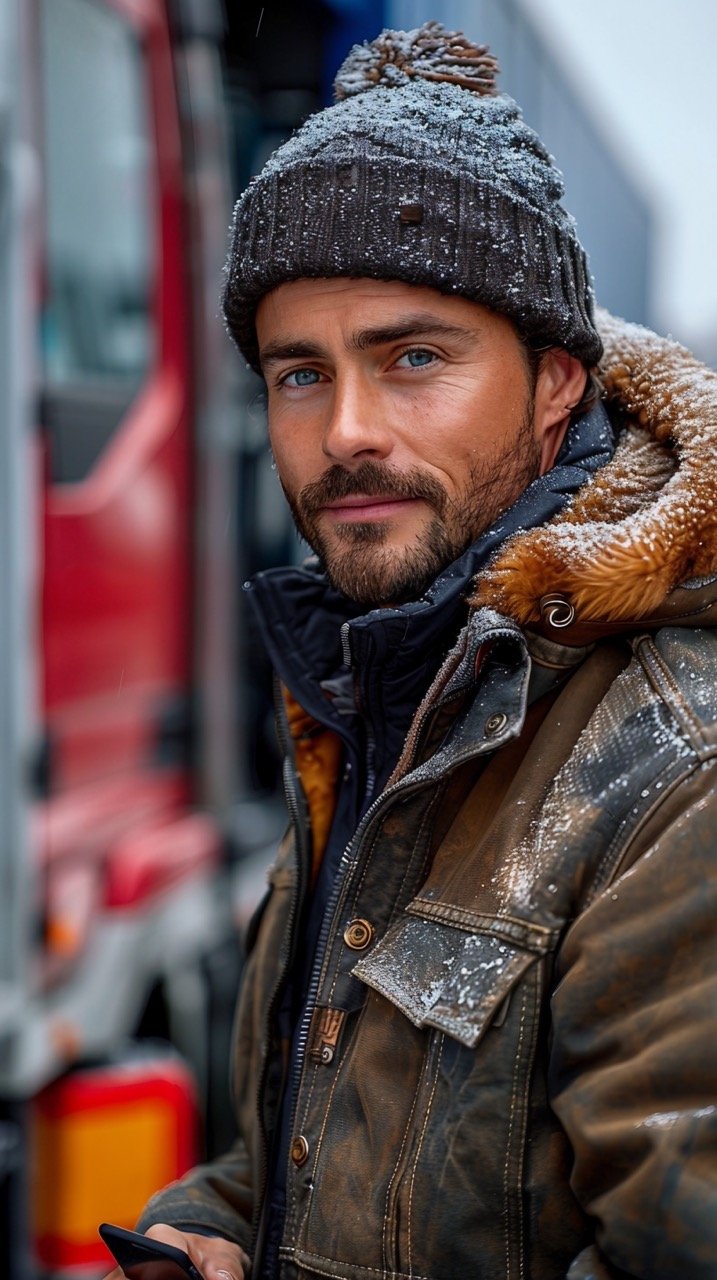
(122, 800)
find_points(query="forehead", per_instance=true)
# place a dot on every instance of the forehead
(328, 307)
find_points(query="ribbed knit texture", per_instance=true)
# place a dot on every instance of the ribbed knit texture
(491, 227)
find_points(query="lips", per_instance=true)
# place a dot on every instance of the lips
(366, 507)
(374, 491)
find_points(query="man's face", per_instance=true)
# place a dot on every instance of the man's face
(402, 423)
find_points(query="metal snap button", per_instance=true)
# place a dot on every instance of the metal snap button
(557, 611)
(299, 1150)
(358, 934)
(495, 723)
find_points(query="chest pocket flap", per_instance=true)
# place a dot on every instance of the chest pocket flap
(444, 977)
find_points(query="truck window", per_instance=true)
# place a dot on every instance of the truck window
(97, 337)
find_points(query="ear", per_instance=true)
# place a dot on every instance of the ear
(559, 386)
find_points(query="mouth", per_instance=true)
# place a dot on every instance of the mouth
(360, 508)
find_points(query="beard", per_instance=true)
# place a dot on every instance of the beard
(358, 557)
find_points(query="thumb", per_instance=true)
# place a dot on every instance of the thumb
(215, 1257)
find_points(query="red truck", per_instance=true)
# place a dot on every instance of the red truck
(119, 697)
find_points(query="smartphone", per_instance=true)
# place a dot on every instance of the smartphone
(143, 1259)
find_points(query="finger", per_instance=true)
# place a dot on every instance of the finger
(217, 1259)
(168, 1235)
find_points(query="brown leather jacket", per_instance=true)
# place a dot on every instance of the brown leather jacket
(509, 1069)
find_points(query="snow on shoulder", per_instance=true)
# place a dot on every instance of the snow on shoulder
(646, 522)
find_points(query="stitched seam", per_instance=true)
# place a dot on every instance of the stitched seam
(418, 1154)
(431, 908)
(506, 1169)
(369, 855)
(367, 861)
(366, 865)
(322, 1131)
(614, 865)
(626, 834)
(376, 1271)
(665, 677)
(477, 921)
(485, 1013)
(305, 1111)
(417, 845)
(394, 1175)
(665, 685)
(304, 1118)
(522, 1093)
(401, 1005)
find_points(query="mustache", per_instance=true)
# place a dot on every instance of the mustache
(374, 479)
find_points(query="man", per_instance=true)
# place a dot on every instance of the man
(475, 1031)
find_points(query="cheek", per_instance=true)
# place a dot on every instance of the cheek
(286, 472)
(470, 426)
(451, 419)
(433, 428)
(294, 456)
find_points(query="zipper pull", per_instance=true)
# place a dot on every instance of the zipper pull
(326, 1035)
(346, 644)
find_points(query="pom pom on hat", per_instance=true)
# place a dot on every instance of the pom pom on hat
(435, 180)
(430, 51)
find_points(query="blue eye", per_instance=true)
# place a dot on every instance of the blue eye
(301, 378)
(417, 358)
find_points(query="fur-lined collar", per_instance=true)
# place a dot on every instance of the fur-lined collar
(647, 521)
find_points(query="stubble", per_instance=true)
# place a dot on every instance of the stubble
(358, 559)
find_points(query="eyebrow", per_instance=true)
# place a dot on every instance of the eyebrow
(418, 325)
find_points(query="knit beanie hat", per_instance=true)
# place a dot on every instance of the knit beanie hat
(422, 173)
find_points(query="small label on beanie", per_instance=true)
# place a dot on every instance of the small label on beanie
(411, 212)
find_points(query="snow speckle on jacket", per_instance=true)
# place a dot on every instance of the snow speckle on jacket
(645, 523)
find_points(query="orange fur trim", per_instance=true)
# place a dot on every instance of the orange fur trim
(645, 522)
(318, 761)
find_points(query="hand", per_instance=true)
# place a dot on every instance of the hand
(215, 1258)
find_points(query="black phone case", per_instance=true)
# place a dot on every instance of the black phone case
(143, 1259)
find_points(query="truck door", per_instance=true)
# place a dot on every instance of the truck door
(116, 421)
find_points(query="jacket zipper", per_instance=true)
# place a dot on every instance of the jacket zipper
(337, 888)
(339, 885)
(370, 759)
(300, 830)
(346, 645)
(370, 775)
(332, 906)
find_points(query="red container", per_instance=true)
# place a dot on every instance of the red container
(105, 1139)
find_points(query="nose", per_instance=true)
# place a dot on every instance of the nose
(357, 426)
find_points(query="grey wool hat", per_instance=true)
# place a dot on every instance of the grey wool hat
(422, 172)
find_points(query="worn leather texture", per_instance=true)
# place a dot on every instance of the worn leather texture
(514, 1079)
(522, 1072)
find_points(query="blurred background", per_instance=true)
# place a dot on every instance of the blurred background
(139, 796)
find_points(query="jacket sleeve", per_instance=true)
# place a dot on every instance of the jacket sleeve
(633, 1065)
(218, 1197)
(213, 1199)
